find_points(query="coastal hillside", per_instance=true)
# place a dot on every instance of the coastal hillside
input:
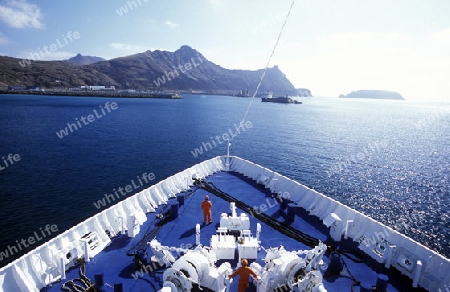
(49, 74)
(184, 69)
(374, 94)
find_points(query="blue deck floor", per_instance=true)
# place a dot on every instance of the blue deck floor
(117, 267)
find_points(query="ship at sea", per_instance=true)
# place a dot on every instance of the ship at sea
(280, 99)
(294, 238)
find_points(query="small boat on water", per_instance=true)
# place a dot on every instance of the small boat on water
(281, 99)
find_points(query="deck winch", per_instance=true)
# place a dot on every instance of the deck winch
(295, 270)
(286, 268)
(196, 267)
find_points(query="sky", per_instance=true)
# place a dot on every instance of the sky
(331, 47)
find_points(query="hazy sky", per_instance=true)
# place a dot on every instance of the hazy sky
(328, 46)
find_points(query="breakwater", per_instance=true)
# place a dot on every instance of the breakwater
(102, 93)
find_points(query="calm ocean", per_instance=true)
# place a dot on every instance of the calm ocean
(388, 159)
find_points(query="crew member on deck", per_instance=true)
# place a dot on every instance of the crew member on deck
(206, 207)
(244, 273)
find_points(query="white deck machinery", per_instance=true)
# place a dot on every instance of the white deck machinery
(298, 270)
(286, 268)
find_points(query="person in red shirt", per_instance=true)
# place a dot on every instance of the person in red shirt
(206, 207)
(244, 273)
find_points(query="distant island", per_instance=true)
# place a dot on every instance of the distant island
(375, 94)
(304, 92)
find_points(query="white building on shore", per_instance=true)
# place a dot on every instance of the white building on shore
(97, 87)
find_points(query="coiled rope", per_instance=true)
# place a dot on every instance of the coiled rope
(86, 284)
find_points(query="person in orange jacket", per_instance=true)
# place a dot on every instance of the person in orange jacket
(244, 273)
(206, 207)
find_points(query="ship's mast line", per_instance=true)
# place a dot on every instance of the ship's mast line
(268, 63)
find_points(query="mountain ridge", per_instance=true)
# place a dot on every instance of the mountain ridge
(183, 69)
(84, 60)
